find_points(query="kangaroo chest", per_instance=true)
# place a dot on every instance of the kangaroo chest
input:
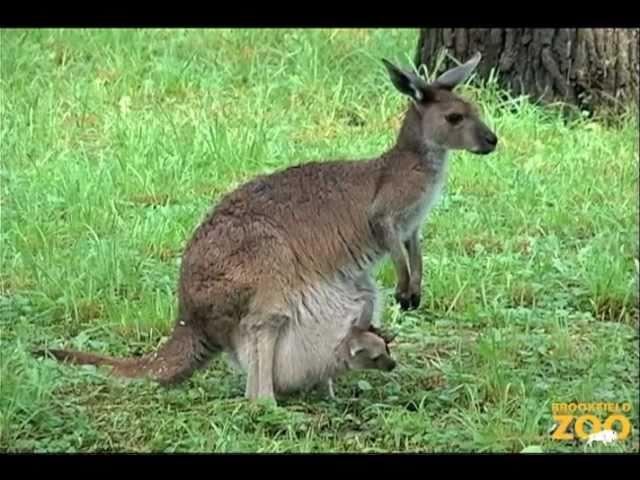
(417, 212)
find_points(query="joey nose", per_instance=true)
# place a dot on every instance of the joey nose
(391, 364)
(491, 139)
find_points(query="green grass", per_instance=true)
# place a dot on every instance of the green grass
(116, 143)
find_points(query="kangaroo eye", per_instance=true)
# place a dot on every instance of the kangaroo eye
(454, 118)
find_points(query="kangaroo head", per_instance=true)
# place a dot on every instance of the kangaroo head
(367, 350)
(438, 117)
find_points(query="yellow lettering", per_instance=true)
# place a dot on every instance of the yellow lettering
(596, 426)
(625, 425)
(626, 407)
(560, 433)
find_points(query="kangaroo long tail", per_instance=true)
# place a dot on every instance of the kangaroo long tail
(175, 360)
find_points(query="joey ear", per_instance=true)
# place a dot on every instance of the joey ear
(457, 75)
(407, 82)
(389, 337)
(355, 346)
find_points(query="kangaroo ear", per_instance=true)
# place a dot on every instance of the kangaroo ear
(408, 83)
(457, 75)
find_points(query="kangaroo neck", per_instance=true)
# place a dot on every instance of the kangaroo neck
(411, 140)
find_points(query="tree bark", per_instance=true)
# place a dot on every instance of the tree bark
(586, 67)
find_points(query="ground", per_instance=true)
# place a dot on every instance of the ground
(115, 144)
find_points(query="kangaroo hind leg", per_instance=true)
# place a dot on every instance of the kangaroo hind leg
(264, 330)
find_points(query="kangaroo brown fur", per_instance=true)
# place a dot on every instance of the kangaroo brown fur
(279, 273)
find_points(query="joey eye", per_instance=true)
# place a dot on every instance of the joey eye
(453, 118)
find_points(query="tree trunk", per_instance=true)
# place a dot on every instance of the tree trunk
(586, 67)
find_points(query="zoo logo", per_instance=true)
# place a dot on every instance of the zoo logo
(563, 415)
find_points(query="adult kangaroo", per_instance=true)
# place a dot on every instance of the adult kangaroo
(278, 275)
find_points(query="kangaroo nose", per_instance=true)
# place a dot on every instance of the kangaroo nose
(491, 139)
